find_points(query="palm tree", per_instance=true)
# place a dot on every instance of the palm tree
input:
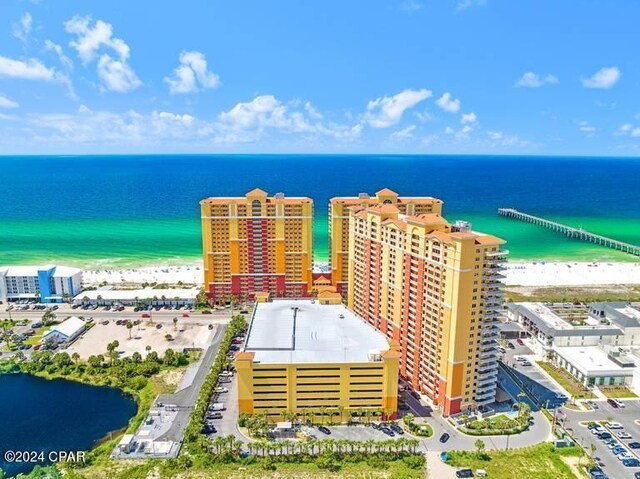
(175, 323)
(75, 357)
(129, 327)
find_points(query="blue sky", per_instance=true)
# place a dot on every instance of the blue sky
(410, 76)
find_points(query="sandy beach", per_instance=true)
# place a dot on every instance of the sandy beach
(540, 273)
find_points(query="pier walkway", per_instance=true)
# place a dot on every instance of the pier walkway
(571, 232)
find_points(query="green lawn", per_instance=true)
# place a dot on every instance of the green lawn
(618, 392)
(537, 462)
(574, 388)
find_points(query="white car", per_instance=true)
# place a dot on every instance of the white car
(624, 455)
(614, 425)
(624, 435)
(220, 389)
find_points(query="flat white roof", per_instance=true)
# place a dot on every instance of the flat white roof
(317, 334)
(141, 294)
(59, 271)
(68, 327)
(545, 314)
(592, 361)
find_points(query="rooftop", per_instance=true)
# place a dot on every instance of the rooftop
(141, 294)
(302, 331)
(68, 327)
(58, 271)
(592, 360)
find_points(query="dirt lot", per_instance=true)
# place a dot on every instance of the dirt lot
(95, 340)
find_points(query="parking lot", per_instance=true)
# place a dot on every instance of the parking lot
(626, 416)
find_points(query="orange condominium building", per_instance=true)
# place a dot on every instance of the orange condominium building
(339, 225)
(435, 288)
(257, 243)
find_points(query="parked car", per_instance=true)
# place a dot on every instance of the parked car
(604, 435)
(631, 462)
(613, 403)
(510, 345)
(105, 322)
(464, 473)
(597, 473)
(215, 415)
(520, 342)
(397, 429)
(158, 326)
(444, 438)
(387, 431)
(145, 315)
(634, 445)
(614, 425)
(206, 311)
(324, 429)
(624, 435)
(220, 389)
(594, 404)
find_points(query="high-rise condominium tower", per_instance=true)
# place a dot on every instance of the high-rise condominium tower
(435, 288)
(339, 224)
(257, 243)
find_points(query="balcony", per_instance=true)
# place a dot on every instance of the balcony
(486, 396)
(497, 254)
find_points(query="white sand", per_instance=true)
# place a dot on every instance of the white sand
(540, 273)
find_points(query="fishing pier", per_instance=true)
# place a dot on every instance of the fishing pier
(571, 232)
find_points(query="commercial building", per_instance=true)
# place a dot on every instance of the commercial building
(66, 331)
(435, 288)
(45, 284)
(565, 324)
(313, 359)
(137, 297)
(595, 366)
(257, 243)
(339, 224)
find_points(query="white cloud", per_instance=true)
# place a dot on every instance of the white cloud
(21, 30)
(30, 69)
(628, 129)
(7, 103)
(464, 4)
(404, 134)
(604, 78)
(57, 49)
(312, 111)
(410, 6)
(533, 80)
(192, 74)
(464, 131)
(585, 127)
(424, 116)
(116, 73)
(498, 139)
(248, 121)
(468, 118)
(448, 103)
(388, 110)
(449, 131)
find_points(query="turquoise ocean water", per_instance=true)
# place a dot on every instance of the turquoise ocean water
(118, 211)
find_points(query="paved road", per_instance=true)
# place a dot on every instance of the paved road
(625, 416)
(186, 398)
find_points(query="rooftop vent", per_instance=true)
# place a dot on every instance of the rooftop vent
(363, 196)
(279, 195)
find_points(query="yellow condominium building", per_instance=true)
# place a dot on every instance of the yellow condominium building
(257, 243)
(339, 224)
(315, 360)
(435, 288)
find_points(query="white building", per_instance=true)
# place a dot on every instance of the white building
(595, 324)
(66, 331)
(592, 365)
(45, 284)
(134, 297)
